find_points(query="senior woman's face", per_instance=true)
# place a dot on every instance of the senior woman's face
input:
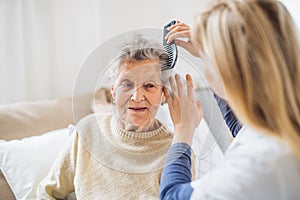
(138, 94)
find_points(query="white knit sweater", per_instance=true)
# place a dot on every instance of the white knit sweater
(102, 161)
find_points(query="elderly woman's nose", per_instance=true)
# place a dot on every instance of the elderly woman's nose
(138, 94)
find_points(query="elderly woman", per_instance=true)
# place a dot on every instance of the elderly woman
(118, 156)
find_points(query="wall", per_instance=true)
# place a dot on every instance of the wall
(44, 43)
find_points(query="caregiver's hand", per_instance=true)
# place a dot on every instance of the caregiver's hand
(181, 30)
(185, 112)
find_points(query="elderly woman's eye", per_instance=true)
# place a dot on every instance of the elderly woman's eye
(127, 84)
(149, 86)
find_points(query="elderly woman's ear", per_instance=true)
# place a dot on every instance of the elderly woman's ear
(163, 99)
(112, 94)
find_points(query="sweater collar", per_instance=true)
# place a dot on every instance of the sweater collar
(136, 135)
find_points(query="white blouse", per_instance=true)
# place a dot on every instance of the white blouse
(256, 166)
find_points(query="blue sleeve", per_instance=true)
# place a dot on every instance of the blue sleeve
(233, 124)
(176, 176)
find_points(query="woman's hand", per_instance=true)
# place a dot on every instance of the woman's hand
(181, 30)
(186, 114)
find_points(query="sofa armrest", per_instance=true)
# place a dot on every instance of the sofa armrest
(6, 192)
(26, 119)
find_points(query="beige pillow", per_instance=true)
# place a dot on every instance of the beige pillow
(26, 119)
(6, 192)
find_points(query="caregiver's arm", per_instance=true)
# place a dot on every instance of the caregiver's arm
(186, 115)
(181, 31)
(176, 177)
(231, 121)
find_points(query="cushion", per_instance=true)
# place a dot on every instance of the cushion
(24, 163)
(26, 119)
(6, 192)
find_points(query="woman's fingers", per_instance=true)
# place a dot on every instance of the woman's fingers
(178, 24)
(184, 110)
(177, 21)
(199, 107)
(172, 36)
(177, 87)
(178, 30)
(173, 86)
(178, 34)
(167, 95)
(190, 86)
(180, 88)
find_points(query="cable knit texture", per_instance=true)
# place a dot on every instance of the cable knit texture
(103, 161)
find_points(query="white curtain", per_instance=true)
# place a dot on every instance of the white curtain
(42, 46)
(44, 42)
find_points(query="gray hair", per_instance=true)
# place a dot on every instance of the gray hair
(140, 49)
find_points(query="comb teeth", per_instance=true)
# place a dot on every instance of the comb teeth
(171, 49)
(172, 56)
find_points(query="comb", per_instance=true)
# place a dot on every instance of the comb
(171, 49)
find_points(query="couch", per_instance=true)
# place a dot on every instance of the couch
(32, 134)
(28, 123)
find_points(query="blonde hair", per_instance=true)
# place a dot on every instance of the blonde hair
(254, 45)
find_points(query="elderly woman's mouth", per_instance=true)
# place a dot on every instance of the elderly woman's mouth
(138, 109)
